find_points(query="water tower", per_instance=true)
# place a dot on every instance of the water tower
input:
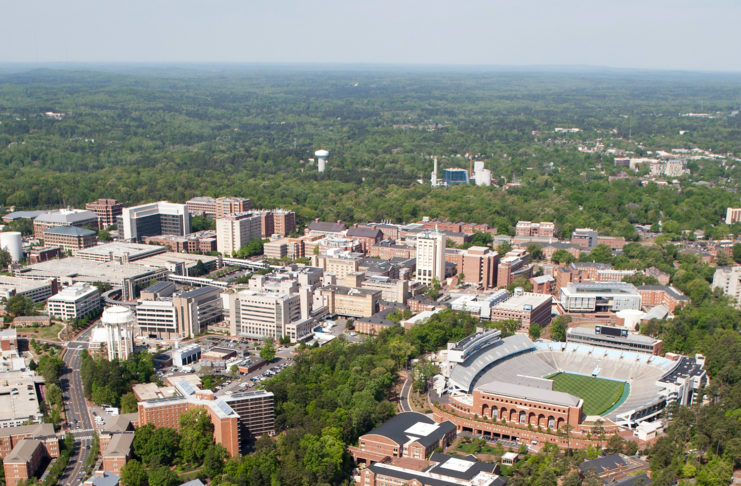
(11, 241)
(321, 159)
(119, 322)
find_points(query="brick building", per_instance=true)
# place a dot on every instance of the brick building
(525, 308)
(527, 228)
(24, 461)
(669, 297)
(200, 241)
(365, 236)
(107, 211)
(40, 254)
(388, 249)
(11, 436)
(79, 218)
(408, 434)
(118, 452)
(70, 238)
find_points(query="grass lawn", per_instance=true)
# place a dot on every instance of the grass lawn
(598, 394)
(49, 332)
(477, 446)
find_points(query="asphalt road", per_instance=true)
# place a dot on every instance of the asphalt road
(78, 415)
(404, 396)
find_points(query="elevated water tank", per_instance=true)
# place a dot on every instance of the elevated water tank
(321, 159)
(12, 242)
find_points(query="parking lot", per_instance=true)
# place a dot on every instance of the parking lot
(229, 382)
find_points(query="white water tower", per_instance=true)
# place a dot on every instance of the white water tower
(119, 323)
(12, 242)
(321, 159)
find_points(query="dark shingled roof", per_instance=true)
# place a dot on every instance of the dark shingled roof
(364, 233)
(640, 480)
(395, 427)
(601, 464)
(467, 475)
(70, 231)
(323, 226)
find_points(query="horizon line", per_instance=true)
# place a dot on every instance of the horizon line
(372, 65)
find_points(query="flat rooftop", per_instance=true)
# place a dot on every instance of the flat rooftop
(80, 270)
(116, 250)
(18, 398)
(630, 338)
(520, 302)
(167, 259)
(20, 284)
(601, 288)
(531, 393)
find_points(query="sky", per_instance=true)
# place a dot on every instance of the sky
(692, 35)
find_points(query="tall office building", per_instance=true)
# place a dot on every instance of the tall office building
(119, 323)
(231, 205)
(107, 210)
(258, 315)
(430, 257)
(160, 218)
(235, 231)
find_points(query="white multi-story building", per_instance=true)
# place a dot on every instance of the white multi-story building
(74, 302)
(159, 218)
(733, 215)
(235, 231)
(431, 257)
(728, 279)
(38, 290)
(119, 323)
(599, 297)
(259, 315)
(156, 318)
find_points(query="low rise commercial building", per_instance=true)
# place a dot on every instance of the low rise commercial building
(599, 297)
(186, 356)
(38, 290)
(79, 218)
(19, 400)
(350, 302)
(70, 238)
(527, 308)
(201, 241)
(120, 252)
(74, 302)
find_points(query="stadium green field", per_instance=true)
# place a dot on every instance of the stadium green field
(598, 394)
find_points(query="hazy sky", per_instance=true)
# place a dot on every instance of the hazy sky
(661, 34)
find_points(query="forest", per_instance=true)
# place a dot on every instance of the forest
(142, 134)
(139, 135)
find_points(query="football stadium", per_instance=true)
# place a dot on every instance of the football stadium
(519, 389)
